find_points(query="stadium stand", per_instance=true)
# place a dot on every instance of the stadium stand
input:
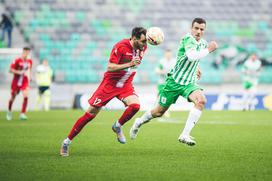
(77, 37)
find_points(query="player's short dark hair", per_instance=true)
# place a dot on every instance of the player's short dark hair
(26, 48)
(199, 21)
(137, 32)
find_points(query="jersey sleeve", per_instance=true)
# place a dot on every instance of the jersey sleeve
(31, 63)
(14, 63)
(116, 54)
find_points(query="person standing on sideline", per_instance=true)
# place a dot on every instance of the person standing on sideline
(21, 70)
(124, 60)
(44, 75)
(182, 81)
(164, 67)
(6, 26)
(251, 72)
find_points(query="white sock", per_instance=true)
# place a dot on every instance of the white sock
(245, 99)
(67, 141)
(192, 119)
(146, 117)
(117, 124)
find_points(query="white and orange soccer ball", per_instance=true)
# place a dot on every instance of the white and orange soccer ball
(154, 36)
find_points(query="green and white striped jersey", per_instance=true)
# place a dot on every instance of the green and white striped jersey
(185, 69)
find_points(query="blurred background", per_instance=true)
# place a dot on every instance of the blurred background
(76, 36)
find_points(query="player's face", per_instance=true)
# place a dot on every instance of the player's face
(198, 30)
(45, 62)
(139, 43)
(25, 53)
(253, 57)
(168, 55)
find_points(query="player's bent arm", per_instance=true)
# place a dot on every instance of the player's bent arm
(14, 71)
(194, 55)
(112, 67)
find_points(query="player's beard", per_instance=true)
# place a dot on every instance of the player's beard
(140, 47)
(136, 46)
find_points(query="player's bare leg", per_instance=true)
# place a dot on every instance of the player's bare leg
(133, 106)
(24, 105)
(81, 122)
(158, 111)
(198, 98)
(11, 100)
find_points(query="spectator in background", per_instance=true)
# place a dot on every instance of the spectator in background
(44, 75)
(6, 26)
(163, 68)
(251, 71)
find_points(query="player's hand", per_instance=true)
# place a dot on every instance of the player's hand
(212, 46)
(136, 61)
(21, 72)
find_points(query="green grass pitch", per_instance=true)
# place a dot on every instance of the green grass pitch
(231, 145)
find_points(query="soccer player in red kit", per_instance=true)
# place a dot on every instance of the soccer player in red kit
(125, 57)
(21, 69)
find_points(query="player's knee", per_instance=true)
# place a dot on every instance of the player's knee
(135, 107)
(201, 103)
(158, 113)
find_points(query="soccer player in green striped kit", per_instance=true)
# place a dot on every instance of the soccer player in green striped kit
(181, 81)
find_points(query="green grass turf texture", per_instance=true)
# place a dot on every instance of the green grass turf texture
(231, 145)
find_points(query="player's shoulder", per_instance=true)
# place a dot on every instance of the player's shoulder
(188, 38)
(17, 60)
(122, 43)
(30, 61)
(122, 46)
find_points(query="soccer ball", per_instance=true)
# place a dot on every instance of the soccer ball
(154, 36)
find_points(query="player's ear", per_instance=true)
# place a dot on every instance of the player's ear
(133, 38)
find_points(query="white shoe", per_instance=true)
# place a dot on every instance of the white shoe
(64, 150)
(119, 133)
(187, 139)
(134, 129)
(9, 116)
(23, 117)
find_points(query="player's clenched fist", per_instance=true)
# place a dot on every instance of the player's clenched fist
(212, 46)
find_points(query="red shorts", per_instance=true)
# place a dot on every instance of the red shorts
(106, 92)
(15, 88)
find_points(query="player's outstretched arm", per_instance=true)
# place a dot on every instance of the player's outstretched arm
(194, 55)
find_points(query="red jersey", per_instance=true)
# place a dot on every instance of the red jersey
(122, 52)
(20, 64)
